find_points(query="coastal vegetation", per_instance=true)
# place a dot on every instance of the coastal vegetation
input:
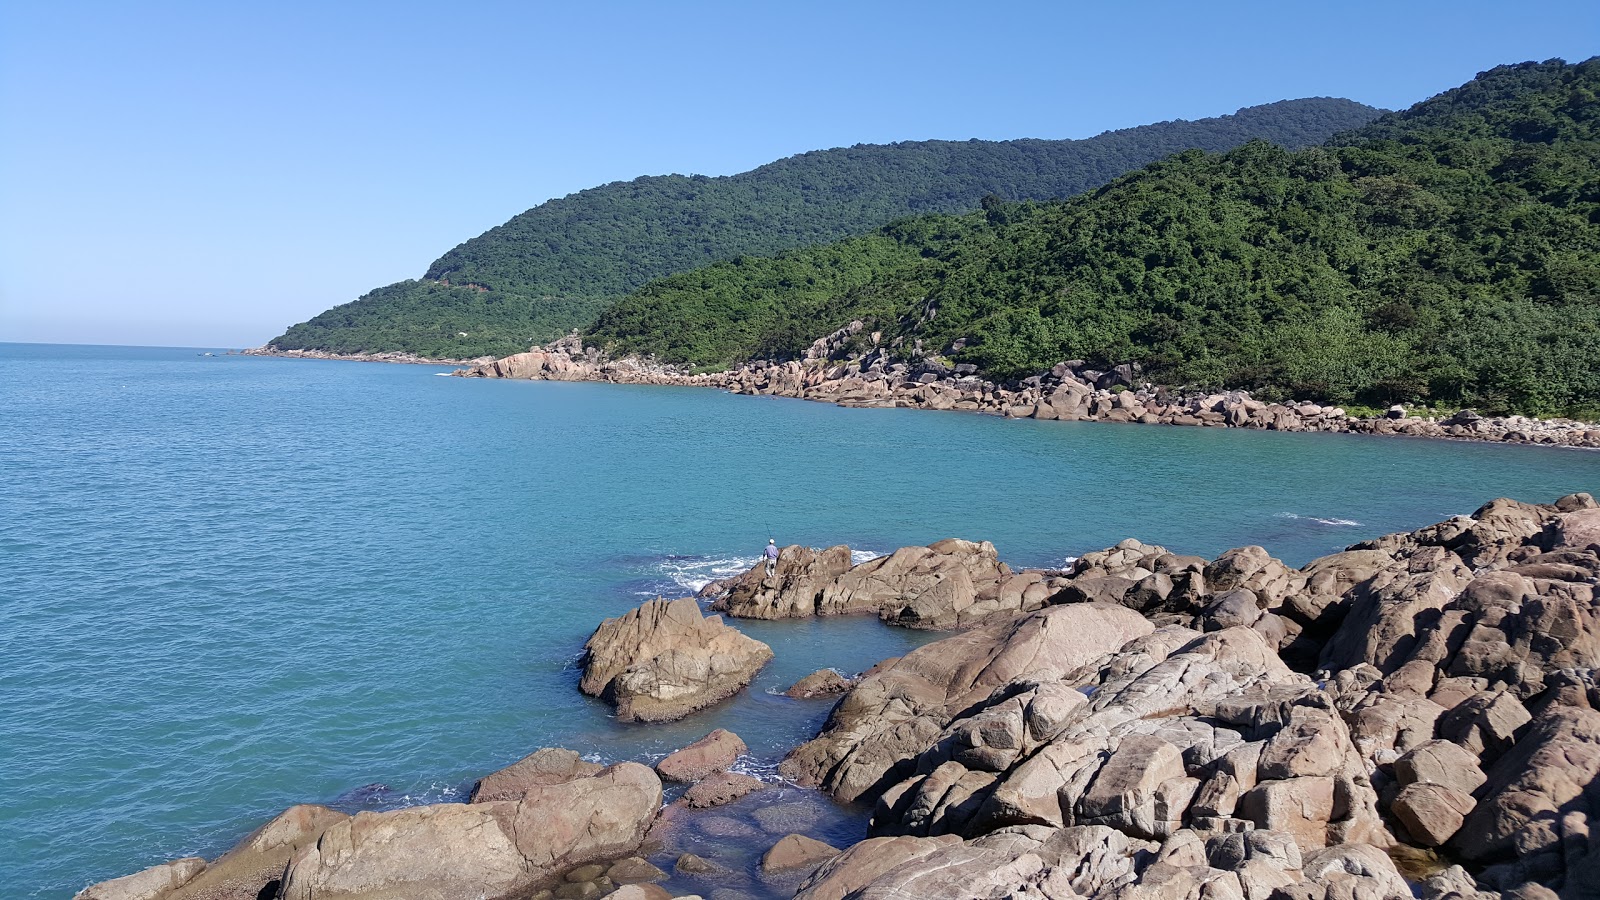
(1448, 254)
(556, 266)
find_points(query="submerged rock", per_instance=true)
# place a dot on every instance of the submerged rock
(665, 660)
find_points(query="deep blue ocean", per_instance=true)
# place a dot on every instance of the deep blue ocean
(229, 584)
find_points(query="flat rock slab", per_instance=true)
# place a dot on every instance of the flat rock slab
(713, 753)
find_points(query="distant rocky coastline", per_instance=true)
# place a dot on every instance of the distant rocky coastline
(1415, 716)
(388, 356)
(1071, 391)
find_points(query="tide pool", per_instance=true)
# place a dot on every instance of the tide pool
(229, 584)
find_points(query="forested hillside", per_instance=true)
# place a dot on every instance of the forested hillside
(1449, 253)
(557, 265)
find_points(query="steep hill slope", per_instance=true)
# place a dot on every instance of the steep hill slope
(1450, 252)
(557, 265)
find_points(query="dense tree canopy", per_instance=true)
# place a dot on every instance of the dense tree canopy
(1448, 253)
(557, 265)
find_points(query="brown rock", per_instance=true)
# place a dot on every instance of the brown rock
(1123, 794)
(1300, 807)
(256, 863)
(153, 883)
(821, 683)
(551, 765)
(664, 660)
(634, 870)
(689, 864)
(452, 850)
(1577, 530)
(1486, 724)
(713, 753)
(1312, 743)
(1440, 762)
(1532, 787)
(863, 863)
(895, 713)
(721, 788)
(1432, 813)
(796, 851)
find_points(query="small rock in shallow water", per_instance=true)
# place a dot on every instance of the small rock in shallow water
(783, 818)
(720, 789)
(634, 870)
(712, 753)
(796, 851)
(821, 683)
(689, 864)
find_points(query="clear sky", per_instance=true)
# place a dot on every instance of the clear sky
(205, 173)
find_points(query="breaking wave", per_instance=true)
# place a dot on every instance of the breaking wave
(1332, 523)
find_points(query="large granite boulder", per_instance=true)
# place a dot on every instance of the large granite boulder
(493, 849)
(896, 712)
(665, 660)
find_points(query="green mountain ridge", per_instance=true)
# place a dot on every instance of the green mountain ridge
(1448, 253)
(558, 265)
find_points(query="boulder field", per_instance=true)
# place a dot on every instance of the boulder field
(1414, 716)
(1176, 727)
(1071, 391)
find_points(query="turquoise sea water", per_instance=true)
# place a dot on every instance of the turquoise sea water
(229, 584)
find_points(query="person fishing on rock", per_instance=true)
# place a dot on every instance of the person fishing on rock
(772, 557)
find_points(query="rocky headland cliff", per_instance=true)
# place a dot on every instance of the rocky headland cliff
(1070, 391)
(1415, 716)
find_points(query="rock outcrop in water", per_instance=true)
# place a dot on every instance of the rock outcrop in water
(949, 584)
(1071, 391)
(665, 660)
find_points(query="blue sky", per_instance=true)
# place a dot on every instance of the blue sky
(208, 173)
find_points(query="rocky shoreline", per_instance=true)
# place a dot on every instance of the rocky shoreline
(1071, 391)
(1417, 715)
(388, 356)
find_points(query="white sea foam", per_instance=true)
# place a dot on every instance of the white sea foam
(1332, 523)
(691, 573)
(688, 574)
